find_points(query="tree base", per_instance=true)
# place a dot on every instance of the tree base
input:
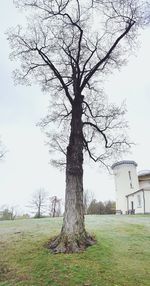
(70, 243)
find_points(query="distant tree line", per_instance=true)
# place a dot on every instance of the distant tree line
(99, 207)
(44, 205)
(92, 206)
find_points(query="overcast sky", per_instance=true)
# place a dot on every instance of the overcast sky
(26, 165)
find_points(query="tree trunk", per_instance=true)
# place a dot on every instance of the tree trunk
(73, 237)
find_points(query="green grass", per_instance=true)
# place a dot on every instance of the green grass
(121, 256)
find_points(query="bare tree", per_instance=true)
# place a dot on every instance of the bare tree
(87, 198)
(68, 47)
(55, 206)
(38, 203)
(2, 150)
(13, 212)
(1, 154)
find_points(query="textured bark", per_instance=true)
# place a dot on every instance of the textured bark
(73, 237)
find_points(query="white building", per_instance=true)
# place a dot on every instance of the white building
(132, 189)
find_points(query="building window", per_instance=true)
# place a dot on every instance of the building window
(139, 203)
(130, 179)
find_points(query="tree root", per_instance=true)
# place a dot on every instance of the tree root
(70, 243)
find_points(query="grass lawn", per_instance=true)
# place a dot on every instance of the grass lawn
(121, 256)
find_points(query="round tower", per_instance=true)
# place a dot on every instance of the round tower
(126, 182)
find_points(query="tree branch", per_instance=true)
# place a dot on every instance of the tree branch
(99, 130)
(102, 61)
(57, 74)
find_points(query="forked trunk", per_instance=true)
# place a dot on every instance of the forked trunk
(73, 237)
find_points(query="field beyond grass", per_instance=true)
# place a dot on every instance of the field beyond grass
(121, 256)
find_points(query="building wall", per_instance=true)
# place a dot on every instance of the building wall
(140, 201)
(137, 201)
(132, 191)
(144, 182)
(126, 182)
(147, 201)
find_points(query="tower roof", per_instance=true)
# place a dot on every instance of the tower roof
(124, 162)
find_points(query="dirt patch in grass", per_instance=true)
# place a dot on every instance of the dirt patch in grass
(6, 272)
(10, 274)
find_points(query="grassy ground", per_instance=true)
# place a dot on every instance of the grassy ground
(121, 256)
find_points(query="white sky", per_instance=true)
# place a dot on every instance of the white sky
(26, 166)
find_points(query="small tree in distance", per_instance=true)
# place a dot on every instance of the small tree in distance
(2, 150)
(38, 203)
(55, 206)
(88, 197)
(68, 48)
